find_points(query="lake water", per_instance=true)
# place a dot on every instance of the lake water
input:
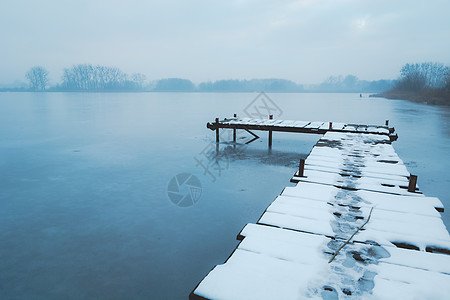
(84, 205)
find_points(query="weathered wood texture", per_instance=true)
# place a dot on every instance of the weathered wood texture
(297, 126)
(403, 252)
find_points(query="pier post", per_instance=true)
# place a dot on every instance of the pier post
(331, 126)
(270, 132)
(234, 130)
(412, 183)
(217, 130)
(301, 168)
(387, 122)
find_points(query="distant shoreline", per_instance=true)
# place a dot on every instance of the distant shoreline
(427, 96)
(189, 91)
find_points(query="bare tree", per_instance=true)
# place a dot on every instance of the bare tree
(415, 77)
(88, 77)
(412, 78)
(435, 74)
(38, 78)
(447, 79)
(138, 79)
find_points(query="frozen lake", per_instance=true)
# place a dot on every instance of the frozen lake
(84, 205)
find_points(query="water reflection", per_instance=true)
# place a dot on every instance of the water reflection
(445, 120)
(269, 156)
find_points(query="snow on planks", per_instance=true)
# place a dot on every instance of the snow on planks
(298, 126)
(402, 252)
(316, 125)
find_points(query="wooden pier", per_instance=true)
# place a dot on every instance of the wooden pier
(356, 224)
(314, 127)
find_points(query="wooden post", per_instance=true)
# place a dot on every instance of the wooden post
(234, 131)
(217, 130)
(412, 183)
(331, 126)
(301, 168)
(387, 122)
(270, 132)
(393, 138)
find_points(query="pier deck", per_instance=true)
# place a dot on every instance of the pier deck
(349, 178)
(314, 127)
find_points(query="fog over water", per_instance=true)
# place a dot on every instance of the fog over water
(301, 40)
(85, 211)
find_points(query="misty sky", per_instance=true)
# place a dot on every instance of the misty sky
(304, 40)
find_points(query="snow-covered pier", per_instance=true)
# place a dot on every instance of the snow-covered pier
(352, 187)
(314, 127)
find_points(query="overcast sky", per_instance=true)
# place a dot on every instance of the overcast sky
(304, 40)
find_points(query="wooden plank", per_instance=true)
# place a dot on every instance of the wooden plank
(385, 226)
(316, 127)
(274, 263)
(350, 179)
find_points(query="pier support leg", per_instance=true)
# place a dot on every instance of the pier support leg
(217, 130)
(270, 133)
(301, 168)
(234, 130)
(412, 183)
(331, 126)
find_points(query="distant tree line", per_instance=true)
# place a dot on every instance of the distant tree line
(87, 77)
(348, 84)
(415, 77)
(268, 85)
(427, 82)
(38, 78)
(351, 84)
(174, 85)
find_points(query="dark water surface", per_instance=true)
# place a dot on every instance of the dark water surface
(84, 209)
